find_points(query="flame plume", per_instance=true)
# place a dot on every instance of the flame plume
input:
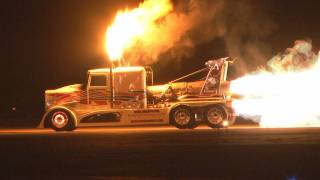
(287, 95)
(131, 26)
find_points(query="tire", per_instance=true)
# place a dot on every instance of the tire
(182, 117)
(61, 120)
(214, 116)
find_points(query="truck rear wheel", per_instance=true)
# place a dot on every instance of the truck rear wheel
(182, 117)
(61, 120)
(215, 116)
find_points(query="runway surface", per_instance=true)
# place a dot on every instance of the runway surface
(240, 152)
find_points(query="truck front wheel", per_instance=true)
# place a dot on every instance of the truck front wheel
(61, 120)
(182, 117)
(214, 116)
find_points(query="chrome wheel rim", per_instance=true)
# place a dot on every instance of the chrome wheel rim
(59, 119)
(215, 116)
(182, 117)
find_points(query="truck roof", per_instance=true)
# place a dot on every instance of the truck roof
(118, 69)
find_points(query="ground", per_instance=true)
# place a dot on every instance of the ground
(240, 152)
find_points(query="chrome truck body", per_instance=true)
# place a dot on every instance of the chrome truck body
(132, 99)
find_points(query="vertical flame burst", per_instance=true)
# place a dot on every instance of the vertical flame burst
(131, 25)
(286, 96)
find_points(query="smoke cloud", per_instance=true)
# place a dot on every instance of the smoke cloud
(192, 22)
(176, 30)
(297, 58)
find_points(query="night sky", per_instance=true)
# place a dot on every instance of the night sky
(49, 44)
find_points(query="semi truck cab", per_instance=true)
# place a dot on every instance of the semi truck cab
(125, 96)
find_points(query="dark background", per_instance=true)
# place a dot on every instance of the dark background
(49, 44)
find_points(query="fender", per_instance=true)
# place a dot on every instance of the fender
(219, 105)
(178, 104)
(41, 125)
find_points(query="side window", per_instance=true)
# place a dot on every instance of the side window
(98, 80)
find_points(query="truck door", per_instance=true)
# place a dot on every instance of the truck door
(98, 91)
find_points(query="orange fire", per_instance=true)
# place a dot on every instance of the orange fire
(130, 26)
(285, 96)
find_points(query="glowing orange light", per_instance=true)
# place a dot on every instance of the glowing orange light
(225, 123)
(130, 25)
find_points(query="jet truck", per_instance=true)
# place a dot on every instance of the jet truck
(126, 96)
